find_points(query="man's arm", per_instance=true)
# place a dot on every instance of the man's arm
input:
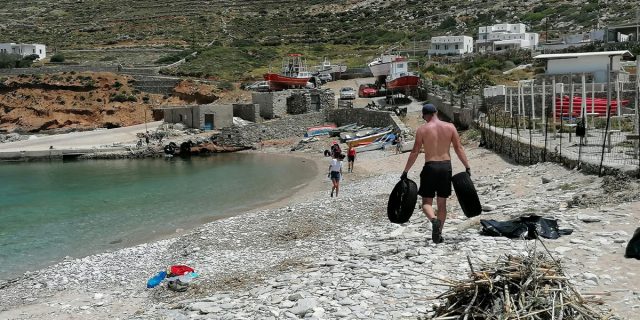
(457, 147)
(414, 152)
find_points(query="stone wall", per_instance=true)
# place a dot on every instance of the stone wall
(365, 117)
(287, 127)
(298, 103)
(155, 84)
(247, 111)
(461, 117)
(294, 101)
(58, 69)
(520, 151)
(272, 104)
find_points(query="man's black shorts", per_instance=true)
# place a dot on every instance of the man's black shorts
(351, 158)
(435, 179)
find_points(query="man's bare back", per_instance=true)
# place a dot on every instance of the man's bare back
(436, 140)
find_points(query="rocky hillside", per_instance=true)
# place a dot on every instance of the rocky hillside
(82, 101)
(94, 23)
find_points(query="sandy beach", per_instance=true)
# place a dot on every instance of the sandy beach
(312, 256)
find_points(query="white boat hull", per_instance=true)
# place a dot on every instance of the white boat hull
(407, 146)
(380, 69)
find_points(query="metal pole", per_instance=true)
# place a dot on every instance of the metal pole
(531, 126)
(553, 101)
(546, 120)
(533, 104)
(637, 131)
(561, 115)
(518, 124)
(571, 101)
(606, 128)
(618, 102)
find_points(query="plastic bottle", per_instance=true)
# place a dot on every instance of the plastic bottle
(155, 280)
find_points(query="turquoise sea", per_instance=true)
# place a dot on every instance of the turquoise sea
(49, 210)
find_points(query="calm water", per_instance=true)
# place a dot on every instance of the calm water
(50, 210)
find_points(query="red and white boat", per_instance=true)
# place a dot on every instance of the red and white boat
(400, 78)
(293, 75)
(381, 66)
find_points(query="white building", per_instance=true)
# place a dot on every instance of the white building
(595, 63)
(24, 49)
(506, 36)
(458, 45)
(574, 40)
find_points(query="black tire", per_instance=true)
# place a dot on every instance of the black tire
(169, 149)
(402, 201)
(467, 195)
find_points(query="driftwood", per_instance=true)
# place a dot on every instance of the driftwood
(526, 287)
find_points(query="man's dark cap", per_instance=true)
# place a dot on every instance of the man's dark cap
(428, 108)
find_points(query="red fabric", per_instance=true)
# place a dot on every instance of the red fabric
(352, 152)
(180, 270)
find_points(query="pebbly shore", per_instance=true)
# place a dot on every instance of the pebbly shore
(330, 258)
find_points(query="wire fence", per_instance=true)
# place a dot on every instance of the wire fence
(592, 139)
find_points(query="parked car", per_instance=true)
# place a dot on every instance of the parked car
(367, 91)
(347, 93)
(261, 86)
(325, 77)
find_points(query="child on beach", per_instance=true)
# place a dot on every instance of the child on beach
(351, 158)
(335, 171)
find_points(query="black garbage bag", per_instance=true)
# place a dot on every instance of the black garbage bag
(527, 227)
(633, 248)
(402, 201)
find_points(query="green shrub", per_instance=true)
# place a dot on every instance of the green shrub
(226, 86)
(118, 98)
(58, 57)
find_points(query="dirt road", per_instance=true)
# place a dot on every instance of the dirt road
(86, 139)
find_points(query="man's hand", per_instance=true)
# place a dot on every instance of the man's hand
(469, 171)
(404, 176)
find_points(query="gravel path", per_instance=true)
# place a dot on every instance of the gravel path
(328, 258)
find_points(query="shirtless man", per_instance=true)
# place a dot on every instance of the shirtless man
(436, 137)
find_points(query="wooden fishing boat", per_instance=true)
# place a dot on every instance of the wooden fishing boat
(379, 143)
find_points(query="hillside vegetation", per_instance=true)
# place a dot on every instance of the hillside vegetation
(239, 39)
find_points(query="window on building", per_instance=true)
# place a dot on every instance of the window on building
(40, 51)
(456, 47)
(400, 65)
(446, 47)
(34, 51)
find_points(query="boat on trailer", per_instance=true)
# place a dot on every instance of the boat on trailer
(293, 74)
(400, 78)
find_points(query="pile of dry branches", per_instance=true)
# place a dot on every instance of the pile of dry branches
(530, 287)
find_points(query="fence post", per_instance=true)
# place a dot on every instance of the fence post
(606, 128)
(545, 119)
(531, 126)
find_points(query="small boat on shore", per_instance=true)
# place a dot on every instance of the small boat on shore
(346, 128)
(357, 133)
(379, 143)
(327, 67)
(370, 138)
(320, 130)
(293, 74)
